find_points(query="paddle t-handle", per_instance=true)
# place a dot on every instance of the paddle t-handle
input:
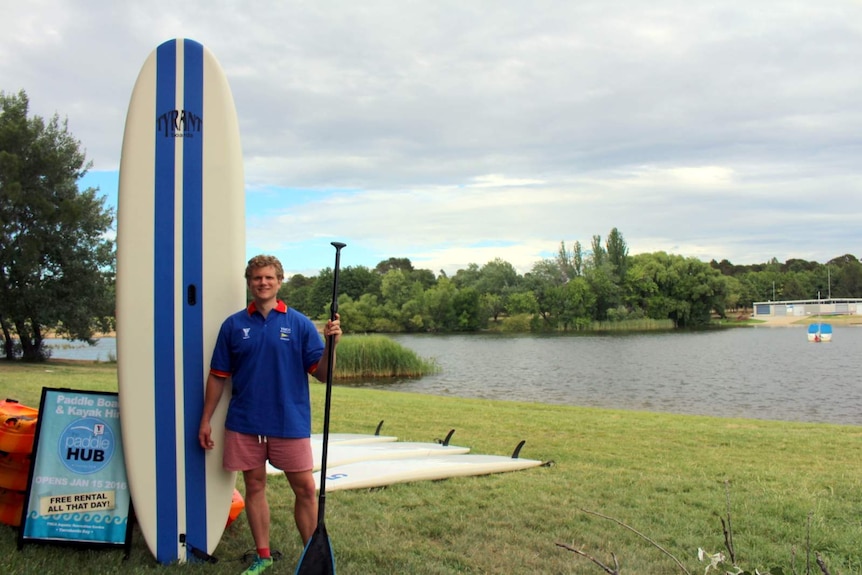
(333, 308)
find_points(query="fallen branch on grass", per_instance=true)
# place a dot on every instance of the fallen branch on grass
(716, 561)
(608, 570)
(641, 535)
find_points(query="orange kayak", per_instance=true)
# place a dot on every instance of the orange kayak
(11, 506)
(17, 427)
(237, 504)
(14, 470)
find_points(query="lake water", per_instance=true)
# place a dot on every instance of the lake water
(754, 373)
(104, 350)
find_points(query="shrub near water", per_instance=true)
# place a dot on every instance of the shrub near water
(379, 356)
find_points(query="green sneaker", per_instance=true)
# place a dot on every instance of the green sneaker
(259, 566)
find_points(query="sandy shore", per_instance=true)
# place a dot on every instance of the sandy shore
(797, 321)
(781, 321)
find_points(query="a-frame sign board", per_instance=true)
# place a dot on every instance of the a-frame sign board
(77, 492)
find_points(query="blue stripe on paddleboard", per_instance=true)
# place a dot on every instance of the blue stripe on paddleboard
(163, 302)
(193, 356)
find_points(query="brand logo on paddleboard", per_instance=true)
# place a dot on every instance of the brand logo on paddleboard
(179, 124)
(86, 445)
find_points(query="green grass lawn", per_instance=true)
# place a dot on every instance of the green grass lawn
(664, 475)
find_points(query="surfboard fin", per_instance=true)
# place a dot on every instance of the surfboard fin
(379, 425)
(198, 554)
(448, 437)
(517, 451)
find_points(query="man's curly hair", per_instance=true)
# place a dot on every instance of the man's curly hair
(261, 261)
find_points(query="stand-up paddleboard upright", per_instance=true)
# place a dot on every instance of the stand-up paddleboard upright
(180, 262)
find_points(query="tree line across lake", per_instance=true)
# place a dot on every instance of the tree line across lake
(57, 268)
(571, 291)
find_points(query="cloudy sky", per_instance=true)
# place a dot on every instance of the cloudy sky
(456, 132)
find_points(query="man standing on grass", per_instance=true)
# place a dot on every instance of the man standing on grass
(268, 350)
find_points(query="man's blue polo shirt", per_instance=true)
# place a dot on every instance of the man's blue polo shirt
(268, 361)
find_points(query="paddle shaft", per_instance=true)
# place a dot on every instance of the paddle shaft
(330, 356)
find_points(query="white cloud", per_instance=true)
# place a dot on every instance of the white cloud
(453, 132)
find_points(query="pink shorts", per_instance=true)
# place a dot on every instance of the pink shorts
(243, 452)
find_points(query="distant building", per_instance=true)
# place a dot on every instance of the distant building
(806, 307)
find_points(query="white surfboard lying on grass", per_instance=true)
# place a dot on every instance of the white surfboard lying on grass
(354, 438)
(346, 453)
(379, 473)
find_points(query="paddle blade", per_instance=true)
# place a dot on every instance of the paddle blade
(317, 557)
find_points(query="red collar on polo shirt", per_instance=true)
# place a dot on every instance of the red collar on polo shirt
(279, 307)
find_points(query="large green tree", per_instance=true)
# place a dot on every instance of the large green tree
(439, 306)
(544, 280)
(844, 276)
(56, 262)
(467, 277)
(354, 281)
(618, 253)
(498, 279)
(571, 264)
(682, 289)
(296, 292)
